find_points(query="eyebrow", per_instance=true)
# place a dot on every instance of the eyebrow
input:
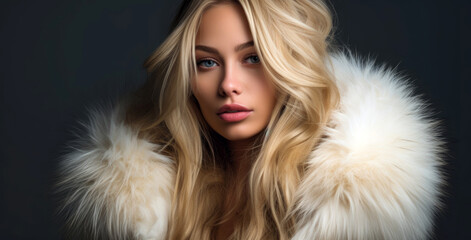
(243, 46)
(215, 51)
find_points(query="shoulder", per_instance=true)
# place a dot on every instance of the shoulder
(113, 181)
(376, 174)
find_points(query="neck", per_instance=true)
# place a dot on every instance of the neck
(241, 154)
(241, 161)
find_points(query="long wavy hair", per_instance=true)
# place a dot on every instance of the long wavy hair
(292, 41)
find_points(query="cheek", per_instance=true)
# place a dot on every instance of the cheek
(203, 103)
(265, 91)
(203, 90)
(205, 84)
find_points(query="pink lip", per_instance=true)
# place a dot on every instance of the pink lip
(233, 112)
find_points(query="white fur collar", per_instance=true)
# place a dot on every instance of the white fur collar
(375, 176)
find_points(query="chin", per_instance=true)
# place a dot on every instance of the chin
(239, 135)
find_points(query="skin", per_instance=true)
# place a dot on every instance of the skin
(230, 72)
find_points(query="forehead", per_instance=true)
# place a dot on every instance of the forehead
(223, 23)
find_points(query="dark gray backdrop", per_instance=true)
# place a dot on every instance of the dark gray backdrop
(60, 57)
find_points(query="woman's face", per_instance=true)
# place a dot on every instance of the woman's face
(235, 96)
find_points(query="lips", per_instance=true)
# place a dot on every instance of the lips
(233, 112)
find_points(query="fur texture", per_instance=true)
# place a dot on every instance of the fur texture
(375, 175)
(117, 186)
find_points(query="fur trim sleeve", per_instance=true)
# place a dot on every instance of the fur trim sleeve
(115, 185)
(376, 173)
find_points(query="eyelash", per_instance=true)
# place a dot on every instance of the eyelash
(252, 56)
(200, 62)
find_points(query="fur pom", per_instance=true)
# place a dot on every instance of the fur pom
(116, 186)
(376, 173)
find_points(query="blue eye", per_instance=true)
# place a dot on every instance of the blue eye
(207, 63)
(254, 59)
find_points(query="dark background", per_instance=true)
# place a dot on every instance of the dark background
(60, 57)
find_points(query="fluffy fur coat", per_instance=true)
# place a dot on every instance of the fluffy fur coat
(376, 175)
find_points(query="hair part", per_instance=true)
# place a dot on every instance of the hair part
(291, 38)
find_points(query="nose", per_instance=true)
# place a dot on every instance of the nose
(230, 83)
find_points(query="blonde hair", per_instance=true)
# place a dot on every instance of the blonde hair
(291, 38)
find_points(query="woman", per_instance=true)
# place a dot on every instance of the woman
(248, 128)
